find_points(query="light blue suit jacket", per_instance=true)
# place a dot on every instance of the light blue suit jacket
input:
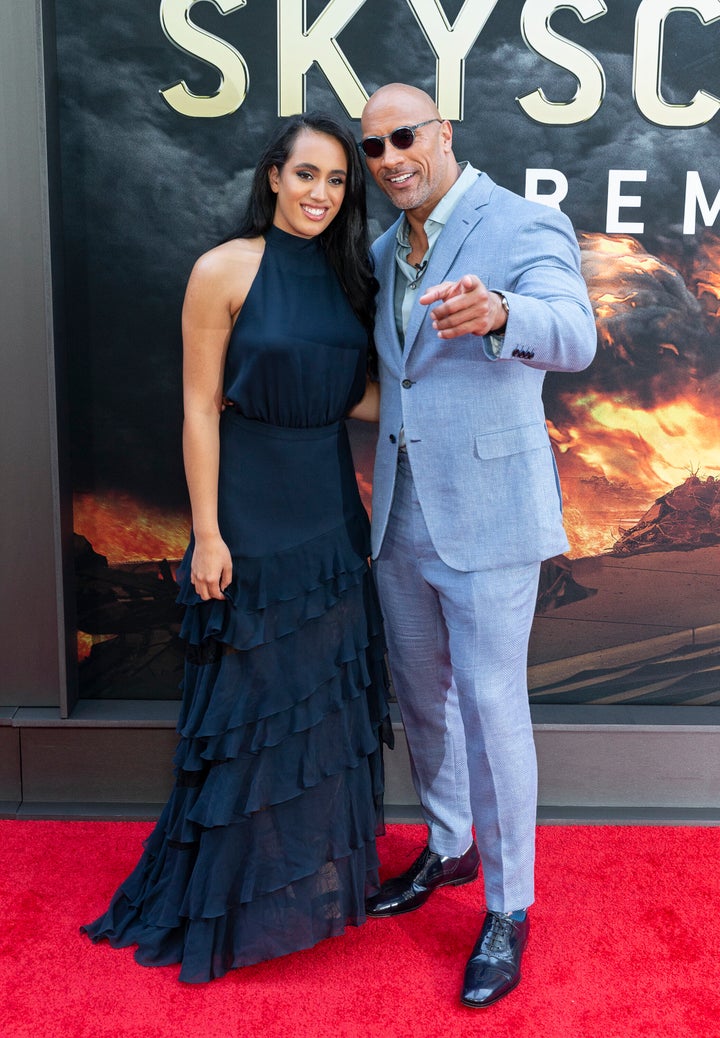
(474, 424)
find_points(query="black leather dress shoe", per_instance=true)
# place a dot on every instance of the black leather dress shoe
(493, 969)
(428, 872)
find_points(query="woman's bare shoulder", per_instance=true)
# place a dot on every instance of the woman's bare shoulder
(223, 275)
(228, 257)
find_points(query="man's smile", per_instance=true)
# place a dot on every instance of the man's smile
(399, 178)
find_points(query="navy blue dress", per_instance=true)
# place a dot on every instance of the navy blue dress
(267, 843)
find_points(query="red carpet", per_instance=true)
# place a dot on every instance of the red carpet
(623, 943)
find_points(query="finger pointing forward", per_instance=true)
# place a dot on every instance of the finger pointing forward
(448, 289)
(466, 308)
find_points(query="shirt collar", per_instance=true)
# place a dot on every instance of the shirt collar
(443, 210)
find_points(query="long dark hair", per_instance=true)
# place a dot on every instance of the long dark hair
(346, 238)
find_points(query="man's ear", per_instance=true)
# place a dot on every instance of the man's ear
(446, 132)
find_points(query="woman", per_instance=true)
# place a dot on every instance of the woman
(267, 843)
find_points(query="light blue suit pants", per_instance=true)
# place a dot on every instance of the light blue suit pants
(457, 648)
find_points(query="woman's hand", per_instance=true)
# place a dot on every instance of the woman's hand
(211, 567)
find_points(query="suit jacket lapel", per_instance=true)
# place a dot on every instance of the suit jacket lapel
(464, 218)
(386, 336)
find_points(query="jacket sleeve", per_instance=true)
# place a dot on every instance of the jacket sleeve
(551, 325)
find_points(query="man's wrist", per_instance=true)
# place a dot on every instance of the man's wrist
(504, 313)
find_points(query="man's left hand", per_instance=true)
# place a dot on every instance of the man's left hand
(467, 308)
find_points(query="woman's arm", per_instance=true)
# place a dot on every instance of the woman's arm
(368, 408)
(215, 292)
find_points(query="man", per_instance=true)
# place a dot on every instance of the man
(481, 293)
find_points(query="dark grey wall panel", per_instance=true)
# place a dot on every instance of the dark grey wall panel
(10, 784)
(110, 765)
(675, 768)
(614, 772)
(32, 671)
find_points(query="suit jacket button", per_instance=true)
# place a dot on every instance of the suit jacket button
(406, 383)
(393, 438)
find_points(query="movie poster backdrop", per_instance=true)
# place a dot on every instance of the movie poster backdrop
(610, 111)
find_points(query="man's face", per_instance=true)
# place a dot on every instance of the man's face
(416, 177)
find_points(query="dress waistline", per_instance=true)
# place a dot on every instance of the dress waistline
(281, 432)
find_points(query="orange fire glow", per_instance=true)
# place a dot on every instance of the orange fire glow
(615, 457)
(123, 530)
(705, 276)
(364, 483)
(626, 253)
(614, 460)
(654, 449)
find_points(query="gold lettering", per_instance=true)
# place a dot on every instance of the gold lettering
(451, 45)
(299, 47)
(542, 38)
(190, 38)
(647, 71)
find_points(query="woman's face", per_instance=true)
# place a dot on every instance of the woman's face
(310, 187)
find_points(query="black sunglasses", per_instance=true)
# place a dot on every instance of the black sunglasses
(402, 138)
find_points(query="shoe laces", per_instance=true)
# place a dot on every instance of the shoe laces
(419, 864)
(500, 930)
